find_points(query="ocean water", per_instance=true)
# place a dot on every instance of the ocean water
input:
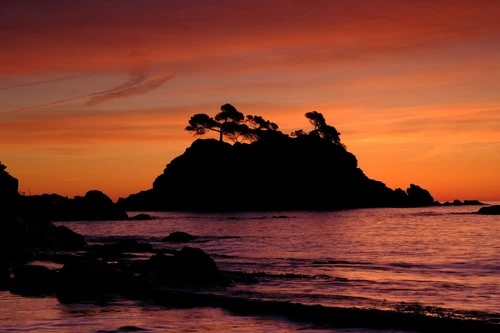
(437, 261)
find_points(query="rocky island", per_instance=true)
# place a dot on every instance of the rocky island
(263, 169)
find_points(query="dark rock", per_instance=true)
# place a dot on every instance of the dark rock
(4, 275)
(85, 276)
(419, 197)
(457, 202)
(473, 203)
(131, 245)
(189, 266)
(179, 237)
(94, 206)
(33, 279)
(489, 210)
(68, 239)
(141, 217)
(22, 229)
(126, 245)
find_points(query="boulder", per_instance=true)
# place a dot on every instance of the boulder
(68, 239)
(129, 245)
(141, 217)
(191, 266)
(419, 197)
(178, 237)
(489, 210)
(85, 276)
(33, 279)
(4, 275)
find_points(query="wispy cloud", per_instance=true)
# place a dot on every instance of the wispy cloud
(138, 84)
(41, 82)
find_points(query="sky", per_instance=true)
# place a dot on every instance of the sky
(96, 94)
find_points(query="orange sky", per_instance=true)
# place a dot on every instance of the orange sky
(96, 94)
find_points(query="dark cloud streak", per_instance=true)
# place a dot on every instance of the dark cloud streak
(41, 82)
(135, 86)
(138, 84)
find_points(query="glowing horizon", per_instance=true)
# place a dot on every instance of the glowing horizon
(96, 95)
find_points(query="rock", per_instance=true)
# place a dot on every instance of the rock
(4, 275)
(94, 206)
(22, 229)
(178, 237)
(98, 206)
(189, 266)
(84, 276)
(457, 202)
(326, 177)
(473, 203)
(126, 245)
(141, 217)
(131, 245)
(419, 197)
(489, 210)
(68, 239)
(33, 280)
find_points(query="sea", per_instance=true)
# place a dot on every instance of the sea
(441, 262)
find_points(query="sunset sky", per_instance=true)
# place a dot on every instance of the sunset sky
(96, 94)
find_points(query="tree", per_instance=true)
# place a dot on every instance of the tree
(229, 114)
(316, 119)
(200, 123)
(227, 122)
(321, 128)
(297, 133)
(261, 129)
(257, 122)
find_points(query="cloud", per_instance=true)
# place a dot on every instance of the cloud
(139, 83)
(41, 82)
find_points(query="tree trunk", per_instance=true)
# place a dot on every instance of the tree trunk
(220, 137)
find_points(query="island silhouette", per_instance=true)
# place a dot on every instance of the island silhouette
(253, 166)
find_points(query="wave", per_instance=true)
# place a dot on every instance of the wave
(340, 262)
(124, 329)
(406, 317)
(114, 239)
(224, 217)
(287, 276)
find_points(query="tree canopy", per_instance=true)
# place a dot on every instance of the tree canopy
(237, 127)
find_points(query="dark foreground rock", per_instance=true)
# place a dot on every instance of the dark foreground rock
(23, 230)
(179, 237)
(33, 280)
(85, 276)
(95, 273)
(126, 245)
(489, 210)
(141, 217)
(4, 275)
(68, 239)
(189, 266)
(190, 278)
